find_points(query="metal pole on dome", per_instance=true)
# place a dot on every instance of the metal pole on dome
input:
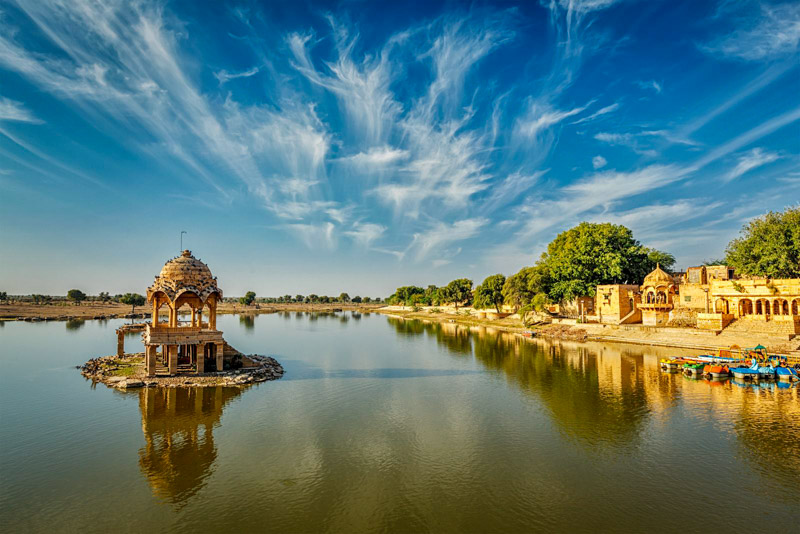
(182, 232)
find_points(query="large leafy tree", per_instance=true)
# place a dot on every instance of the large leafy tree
(520, 288)
(247, 299)
(76, 295)
(459, 291)
(580, 258)
(490, 292)
(768, 246)
(405, 294)
(133, 299)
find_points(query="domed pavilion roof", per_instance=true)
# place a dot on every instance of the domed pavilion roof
(182, 274)
(658, 277)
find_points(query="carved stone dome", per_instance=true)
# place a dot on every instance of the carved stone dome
(182, 274)
(658, 277)
(186, 269)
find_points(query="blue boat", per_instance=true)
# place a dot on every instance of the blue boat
(786, 373)
(749, 373)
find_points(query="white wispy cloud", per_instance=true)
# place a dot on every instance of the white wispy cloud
(775, 33)
(751, 160)
(600, 112)
(650, 84)
(443, 234)
(379, 156)
(539, 118)
(315, 235)
(365, 233)
(598, 162)
(224, 76)
(362, 87)
(11, 110)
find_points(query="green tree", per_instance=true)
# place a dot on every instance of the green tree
(3, 296)
(404, 294)
(520, 288)
(134, 299)
(344, 297)
(76, 295)
(299, 298)
(367, 300)
(104, 297)
(248, 298)
(658, 257)
(356, 299)
(459, 291)
(768, 246)
(589, 254)
(490, 292)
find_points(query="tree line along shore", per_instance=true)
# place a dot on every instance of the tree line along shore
(592, 254)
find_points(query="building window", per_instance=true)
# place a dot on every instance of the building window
(687, 298)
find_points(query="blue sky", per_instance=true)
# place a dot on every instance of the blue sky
(358, 146)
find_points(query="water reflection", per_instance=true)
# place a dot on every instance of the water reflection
(605, 396)
(74, 325)
(248, 322)
(179, 451)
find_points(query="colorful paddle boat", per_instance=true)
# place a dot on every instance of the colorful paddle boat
(693, 369)
(756, 371)
(786, 374)
(716, 371)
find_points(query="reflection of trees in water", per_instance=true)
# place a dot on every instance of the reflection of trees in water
(179, 450)
(75, 324)
(585, 404)
(596, 409)
(247, 321)
(769, 433)
(449, 335)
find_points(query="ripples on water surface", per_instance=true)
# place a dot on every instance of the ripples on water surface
(385, 425)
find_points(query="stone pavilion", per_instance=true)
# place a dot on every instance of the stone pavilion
(193, 346)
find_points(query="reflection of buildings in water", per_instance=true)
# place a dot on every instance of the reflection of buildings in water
(179, 450)
(766, 420)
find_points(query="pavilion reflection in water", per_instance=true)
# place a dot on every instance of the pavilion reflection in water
(179, 451)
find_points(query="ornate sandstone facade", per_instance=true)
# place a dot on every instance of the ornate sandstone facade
(712, 295)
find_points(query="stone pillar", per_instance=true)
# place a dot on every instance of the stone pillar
(120, 342)
(200, 317)
(220, 363)
(154, 319)
(193, 316)
(201, 358)
(150, 359)
(212, 316)
(173, 359)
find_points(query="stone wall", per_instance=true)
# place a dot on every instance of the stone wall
(713, 321)
(683, 317)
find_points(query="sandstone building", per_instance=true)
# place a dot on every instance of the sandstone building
(709, 297)
(195, 346)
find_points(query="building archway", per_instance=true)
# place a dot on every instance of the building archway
(745, 307)
(759, 307)
(795, 306)
(721, 306)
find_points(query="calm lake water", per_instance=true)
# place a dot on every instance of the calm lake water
(385, 425)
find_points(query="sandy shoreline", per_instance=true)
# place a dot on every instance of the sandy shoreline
(683, 338)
